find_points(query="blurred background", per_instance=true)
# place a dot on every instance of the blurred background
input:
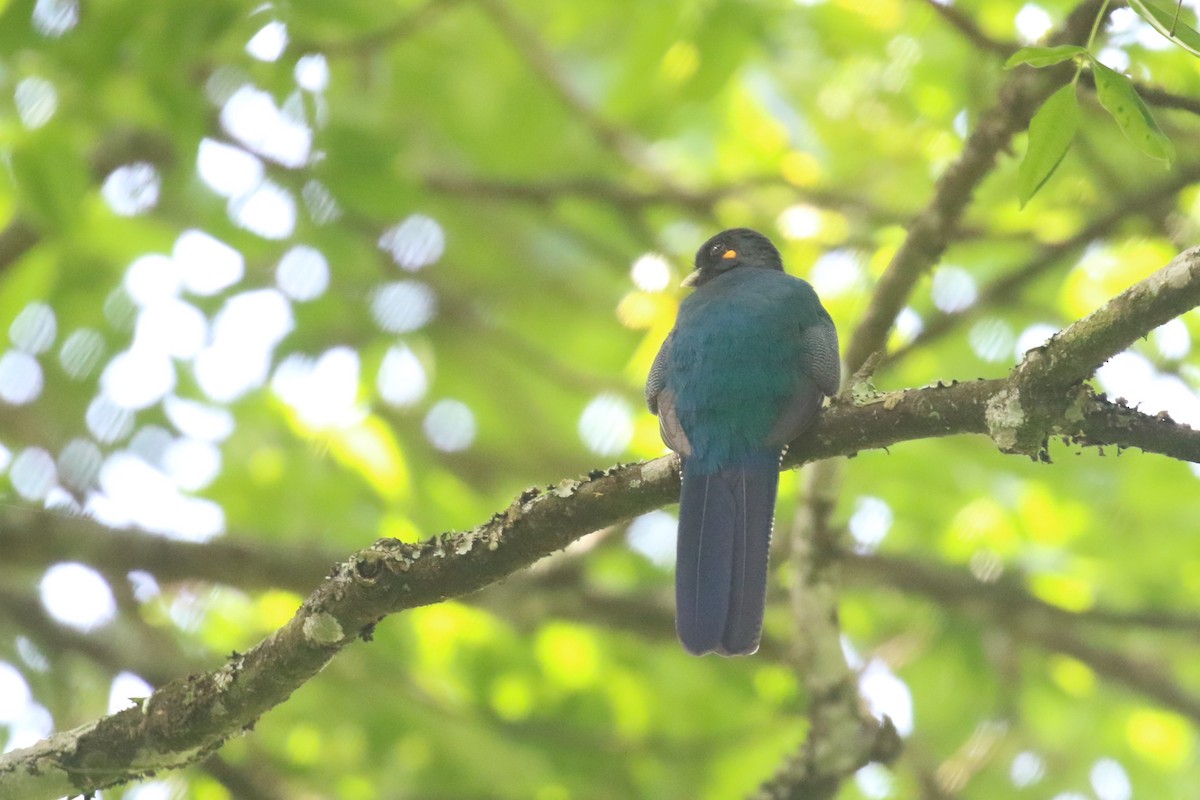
(295, 276)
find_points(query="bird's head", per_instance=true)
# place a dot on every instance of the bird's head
(731, 249)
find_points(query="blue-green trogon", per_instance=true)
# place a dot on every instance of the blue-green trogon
(745, 370)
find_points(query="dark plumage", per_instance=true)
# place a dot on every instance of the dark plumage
(751, 358)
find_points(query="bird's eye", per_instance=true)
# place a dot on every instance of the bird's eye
(717, 250)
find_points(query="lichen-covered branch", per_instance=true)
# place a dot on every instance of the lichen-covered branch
(1076, 352)
(1038, 401)
(187, 719)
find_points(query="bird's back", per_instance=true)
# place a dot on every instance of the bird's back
(738, 359)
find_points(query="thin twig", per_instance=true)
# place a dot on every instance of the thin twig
(545, 66)
(969, 29)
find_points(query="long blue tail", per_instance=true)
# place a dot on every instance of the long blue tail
(725, 522)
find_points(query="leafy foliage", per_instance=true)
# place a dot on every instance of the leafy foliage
(303, 275)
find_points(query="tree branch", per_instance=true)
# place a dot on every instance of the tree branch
(1007, 286)
(619, 194)
(932, 229)
(1028, 618)
(544, 65)
(1075, 353)
(1154, 95)
(971, 31)
(842, 735)
(34, 536)
(17, 238)
(187, 719)
(391, 35)
(119, 647)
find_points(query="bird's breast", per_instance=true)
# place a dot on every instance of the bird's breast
(734, 368)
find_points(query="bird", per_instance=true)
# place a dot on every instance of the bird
(745, 370)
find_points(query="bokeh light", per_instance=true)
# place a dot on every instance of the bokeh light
(870, 523)
(606, 425)
(836, 272)
(20, 378)
(251, 116)
(26, 721)
(321, 205)
(1035, 335)
(81, 353)
(312, 72)
(322, 391)
(107, 421)
(34, 329)
(245, 333)
(77, 596)
(799, 222)
(192, 463)
(1032, 23)
(450, 426)
(269, 43)
(1172, 339)
(79, 464)
(126, 690)
(207, 265)
(14, 693)
(199, 420)
(53, 18)
(875, 782)
(136, 494)
(268, 211)
(132, 189)
(403, 306)
(33, 473)
(227, 169)
(1110, 781)
(152, 279)
(908, 325)
(651, 273)
(953, 289)
(37, 101)
(992, 339)
(653, 535)
(415, 243)
(1027, 769)
(401, 381)
(176, 328)
(887, 695)
(303, 273)
(138, 378)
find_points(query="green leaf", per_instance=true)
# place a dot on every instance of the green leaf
(1044, 56)
(1050, 133)
(1121, 100)
(1167, 20)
